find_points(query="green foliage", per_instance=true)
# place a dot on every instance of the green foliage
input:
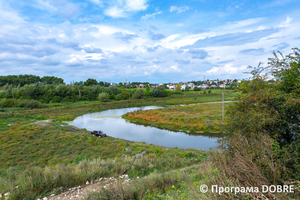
(125, 95)
(139, 93)
(22, 80)
(26, 103)
(186, 88)
(103, 97)
(209, 91)
(204, 92)
(178, 88)
(267, 117)
(90, 82)
(158, 92)
(197, 88)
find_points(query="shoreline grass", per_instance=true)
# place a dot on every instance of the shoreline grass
(28, 149)
(192, 119)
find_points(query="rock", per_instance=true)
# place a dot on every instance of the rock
(7, 194)
(139, 155)
(87, 183)
(0, 195)
(45, 198)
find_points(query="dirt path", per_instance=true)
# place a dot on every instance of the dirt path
(81, 192)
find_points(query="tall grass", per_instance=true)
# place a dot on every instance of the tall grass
(35, 181)
(192, 118)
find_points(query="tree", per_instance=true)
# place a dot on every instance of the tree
(90, 82)
(139, 93)
(178, 88)
(269, 112)
(51, 80)
(159, 92)
(187, 88)
(104, 97)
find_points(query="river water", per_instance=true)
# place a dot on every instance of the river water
(111, 123)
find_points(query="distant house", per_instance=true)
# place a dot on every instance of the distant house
(171, 87)
(141, 86)
(203, 86)
(222, 85)
(191, 85)
(183, 86)
(154, 85)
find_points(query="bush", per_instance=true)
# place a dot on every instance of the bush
(158, 92)
(204, 92)
(5, 103)
(125, 95)
(197, 89)
(118, 97)
(139, 93)
(209, 91)
(103, 97)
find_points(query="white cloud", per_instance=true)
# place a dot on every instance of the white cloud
(285, 23)
(121, 8)
(97, 2)
(227, 69)
(9, 15)
(242, 23)
(175, 68)
(179, 9)
(147, 16)
(115, 12)
(64, 8)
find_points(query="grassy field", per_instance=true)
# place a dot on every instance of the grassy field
(199, 118)
(32, 149)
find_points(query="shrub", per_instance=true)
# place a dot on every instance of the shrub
(209, 91)
(118, 97)
(125, 95)
(197, 89)
(139, 93)
(158, 92)
(103, 97)
(7, 103)
(204, 92)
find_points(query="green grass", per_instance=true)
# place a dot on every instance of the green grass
(199, 118)
(28, 150)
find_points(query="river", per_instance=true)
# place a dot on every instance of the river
(111, 123)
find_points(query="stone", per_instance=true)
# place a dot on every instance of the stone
(139, 155)
(7, 194)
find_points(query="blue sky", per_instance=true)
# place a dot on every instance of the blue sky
(144, 40)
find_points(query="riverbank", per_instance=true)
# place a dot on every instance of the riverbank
(29, 150)
(192, 119)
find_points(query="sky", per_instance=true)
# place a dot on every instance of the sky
(144, 40)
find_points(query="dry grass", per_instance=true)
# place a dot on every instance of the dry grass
(197, 118)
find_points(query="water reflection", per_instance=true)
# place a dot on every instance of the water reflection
(111, 123)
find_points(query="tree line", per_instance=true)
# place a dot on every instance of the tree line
(50, 93)
(28, 79)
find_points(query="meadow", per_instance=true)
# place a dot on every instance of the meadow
(198, 118)
(31, 146)
(42, 155)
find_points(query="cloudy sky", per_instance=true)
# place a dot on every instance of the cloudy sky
(144, 40)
